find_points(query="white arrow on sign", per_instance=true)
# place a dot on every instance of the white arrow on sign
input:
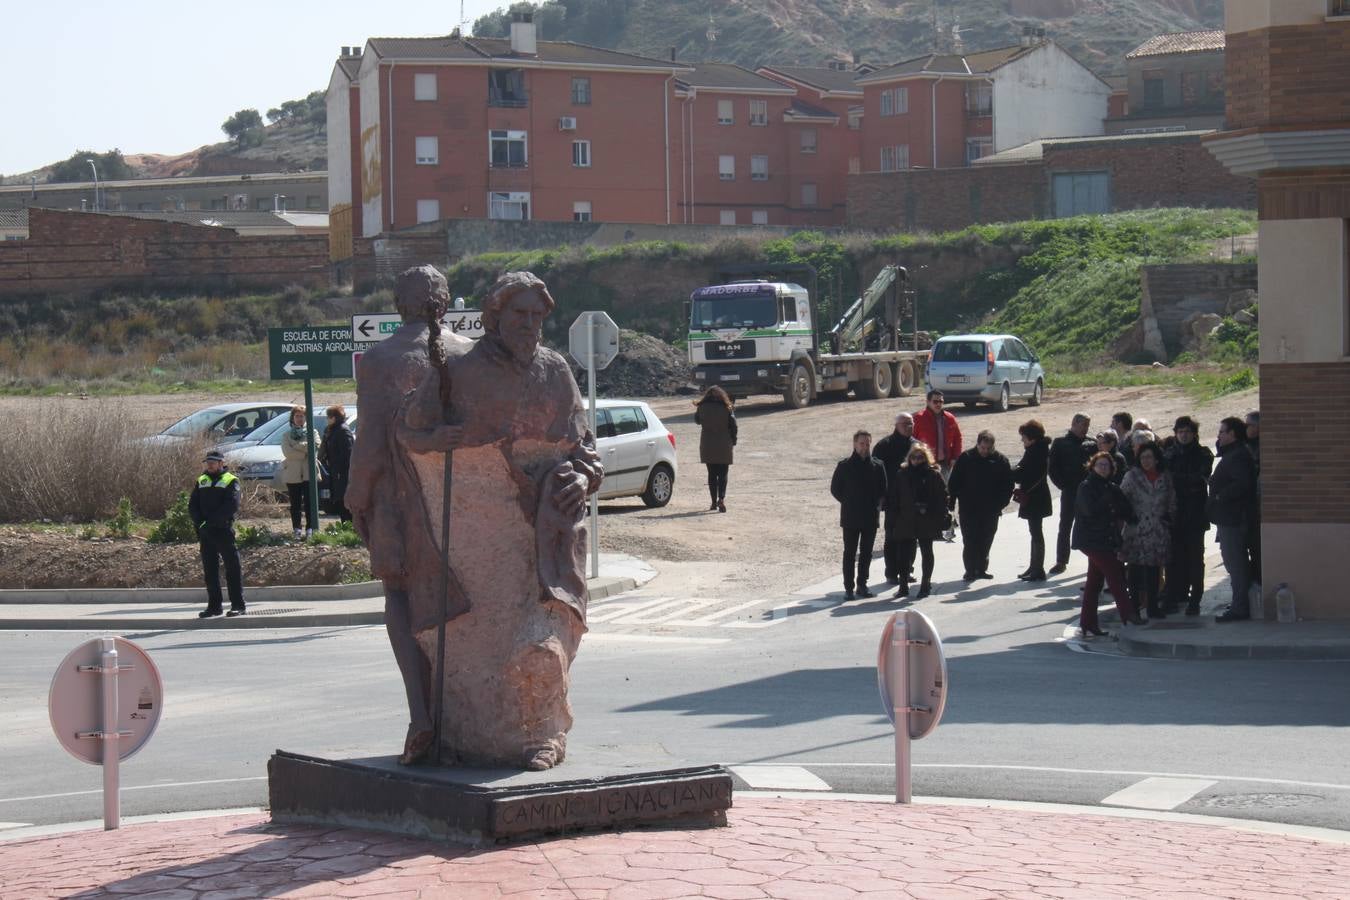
(291, 367)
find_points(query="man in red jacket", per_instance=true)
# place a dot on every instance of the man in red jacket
(938, 429)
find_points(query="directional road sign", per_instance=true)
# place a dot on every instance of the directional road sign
(294, 354)
(375, 327)
(605, 339)
(464, 322)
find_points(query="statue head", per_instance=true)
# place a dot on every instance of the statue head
(515, 310)
(421, 294)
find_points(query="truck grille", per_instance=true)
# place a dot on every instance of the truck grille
(729, 350)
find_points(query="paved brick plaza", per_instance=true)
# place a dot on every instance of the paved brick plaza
(808, 849)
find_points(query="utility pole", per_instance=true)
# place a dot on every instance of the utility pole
(94, 169)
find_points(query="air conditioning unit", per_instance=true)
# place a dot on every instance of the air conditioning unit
(567, 123)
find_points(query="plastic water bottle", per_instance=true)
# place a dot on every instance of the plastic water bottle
(1256, 602)
(1285, 610)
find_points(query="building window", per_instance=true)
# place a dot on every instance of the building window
(759, 168)
(428, 151)
(424, 86)
(263, 204)
(727, 217)
(1155, 90)
(507, 149)
(725, 112)
(509, 205)
(726, 168)
(506, 87)
(581, 211)
(313, 201)
(894, 159)
(854, 121)
(759, 112)
(809, 197)
(978, 148)
(895, 101)
(759, 217)
(428, 211)
(581, 154)
(855, 165)
(980, 99)
(581, 92)
(808, 141)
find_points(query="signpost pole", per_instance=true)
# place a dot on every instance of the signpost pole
(112, 782)
(590, 396)
(899, 688)
(313, 499)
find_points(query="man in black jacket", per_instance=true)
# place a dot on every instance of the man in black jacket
(982, 482)
(213, 507)
(1069, 457)
(859, 484)
(893, 450)
(1189, 463)
(1231, 489)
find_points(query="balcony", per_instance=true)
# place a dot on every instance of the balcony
(509, 101)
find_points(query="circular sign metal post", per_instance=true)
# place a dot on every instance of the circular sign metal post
(912, 680)
(105, 703)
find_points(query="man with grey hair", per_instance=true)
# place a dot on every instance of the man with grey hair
(1069, 455)
(893, 450)
(383, 485)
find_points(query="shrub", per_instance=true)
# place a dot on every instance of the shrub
(336, 534)
(176, 526)
(259, 536)
(119, 526)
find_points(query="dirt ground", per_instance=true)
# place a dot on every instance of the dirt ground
(781, 521)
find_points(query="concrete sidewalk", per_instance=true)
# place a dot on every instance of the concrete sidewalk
(305, 606)
(813, 849)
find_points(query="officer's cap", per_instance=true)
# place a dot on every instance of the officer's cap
(215, 456)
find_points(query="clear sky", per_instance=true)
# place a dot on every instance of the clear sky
(155, 77)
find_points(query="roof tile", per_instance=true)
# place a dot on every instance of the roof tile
(1179, 42)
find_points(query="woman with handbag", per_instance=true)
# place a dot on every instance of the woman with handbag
(713, 412)
(917, 503)
(1032, 477)
(1099, 510)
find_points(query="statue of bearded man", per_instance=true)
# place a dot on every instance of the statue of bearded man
(513, 597)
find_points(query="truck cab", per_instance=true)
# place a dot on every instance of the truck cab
(746, 335)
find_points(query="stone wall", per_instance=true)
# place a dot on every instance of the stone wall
(77, 253)
(1172, 294)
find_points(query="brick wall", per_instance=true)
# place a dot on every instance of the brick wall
(946, 199)
(1288, 75)
(1306, 194)
(73, 252)
(1162, 172)
(1305, 433)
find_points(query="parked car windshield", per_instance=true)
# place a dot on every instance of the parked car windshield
(959, 351)
(194, 424)
(734, 312)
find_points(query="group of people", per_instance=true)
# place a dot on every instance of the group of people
(1135, 504)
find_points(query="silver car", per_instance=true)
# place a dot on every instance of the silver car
(259, 458)
(637, 451)
(986, 368)
(222, 424)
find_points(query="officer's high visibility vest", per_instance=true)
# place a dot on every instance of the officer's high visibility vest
(226, 479)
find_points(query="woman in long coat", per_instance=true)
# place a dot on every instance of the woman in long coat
(713, 411)
(917, 504)
(1098, 511)
(295, 470)
(1147, 541)
(335, 452)
(1031, 474)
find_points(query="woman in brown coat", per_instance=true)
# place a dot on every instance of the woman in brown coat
(714, 413)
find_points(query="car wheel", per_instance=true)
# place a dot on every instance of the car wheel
(798, 392)
(1037, 392)
(1004, 398)
(660, 486)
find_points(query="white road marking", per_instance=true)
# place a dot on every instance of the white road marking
(136, 787)
(1158, 793)
(4, 825)
(613, 638)
(783, 778)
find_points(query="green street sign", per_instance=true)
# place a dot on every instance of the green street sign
(325, 351)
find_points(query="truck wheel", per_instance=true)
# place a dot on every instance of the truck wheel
(1036, 393)
(903, 382)
(1004, 399)
(878, 386)
(660, 486)
(798, 392)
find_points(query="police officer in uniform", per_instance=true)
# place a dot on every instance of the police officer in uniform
(213, 507)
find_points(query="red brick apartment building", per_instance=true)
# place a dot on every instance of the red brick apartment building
(1288, 121)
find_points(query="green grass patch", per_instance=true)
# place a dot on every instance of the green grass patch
(336, 534)
(1201, 381)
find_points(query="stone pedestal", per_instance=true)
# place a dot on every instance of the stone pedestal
(481, 806)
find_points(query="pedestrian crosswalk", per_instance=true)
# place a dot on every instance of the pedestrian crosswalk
(637, 608)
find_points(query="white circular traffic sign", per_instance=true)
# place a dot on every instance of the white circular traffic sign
(927, 673)
(75, 702)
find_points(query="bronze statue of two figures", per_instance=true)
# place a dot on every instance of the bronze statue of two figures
(469, 486)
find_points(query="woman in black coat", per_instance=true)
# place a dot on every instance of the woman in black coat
(917, 505)
(1099, 511)
(336, 455)
(1033, 493)
(717, 418)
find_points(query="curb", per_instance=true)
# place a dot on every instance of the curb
(1159, 649)
(284, 593)
(604, 587)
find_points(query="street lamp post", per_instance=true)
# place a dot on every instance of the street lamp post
(94, 169)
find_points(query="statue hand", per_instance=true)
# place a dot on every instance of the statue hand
(569, 493)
